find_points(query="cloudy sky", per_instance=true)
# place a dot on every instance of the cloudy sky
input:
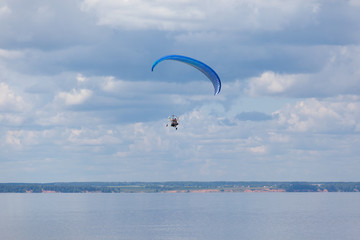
(78, 100)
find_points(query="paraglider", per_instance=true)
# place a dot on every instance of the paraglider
(205, 69)
(174, 122)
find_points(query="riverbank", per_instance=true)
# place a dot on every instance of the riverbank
(178, 187)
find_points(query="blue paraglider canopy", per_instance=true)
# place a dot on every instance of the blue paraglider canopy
(205, 69)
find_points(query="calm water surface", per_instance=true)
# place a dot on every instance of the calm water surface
(210, 216)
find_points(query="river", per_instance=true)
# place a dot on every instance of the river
(200, 216)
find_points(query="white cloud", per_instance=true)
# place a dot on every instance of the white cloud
(258, 149)
(335, 115)
(270, 83)
(10, 54)
(75, 97)
(203, 147)
(338, 76)
(197, 16)
(110, 84)
(9, 101)
(5, 10)
(143, 14)
(92, 137)
(12, 139)
(22, 138)
(81, 78)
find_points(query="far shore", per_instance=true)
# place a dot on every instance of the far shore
(178, 187)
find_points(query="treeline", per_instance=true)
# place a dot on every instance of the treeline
(51, 187)
(321, 187)
(152, 187)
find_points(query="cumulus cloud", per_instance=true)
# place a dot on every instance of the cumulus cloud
(81, 78)
(11, 138)
(203, 141)
(305, 130)
(20, 137)
(75, 97)
(197, 16)
(9, 101)
(338, 76)
(92, 137)
(142, 14)
(258, 149)
(335, 115)
(271, 83)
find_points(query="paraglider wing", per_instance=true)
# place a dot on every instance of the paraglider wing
(205, 69)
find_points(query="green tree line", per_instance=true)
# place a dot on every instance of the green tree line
(116, 187)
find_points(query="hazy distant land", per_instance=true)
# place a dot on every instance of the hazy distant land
(173, 187)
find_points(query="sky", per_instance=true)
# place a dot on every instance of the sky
(79, 102)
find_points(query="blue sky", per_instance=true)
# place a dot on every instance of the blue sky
(78, 100)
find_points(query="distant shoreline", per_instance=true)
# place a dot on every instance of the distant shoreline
(178, 187)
